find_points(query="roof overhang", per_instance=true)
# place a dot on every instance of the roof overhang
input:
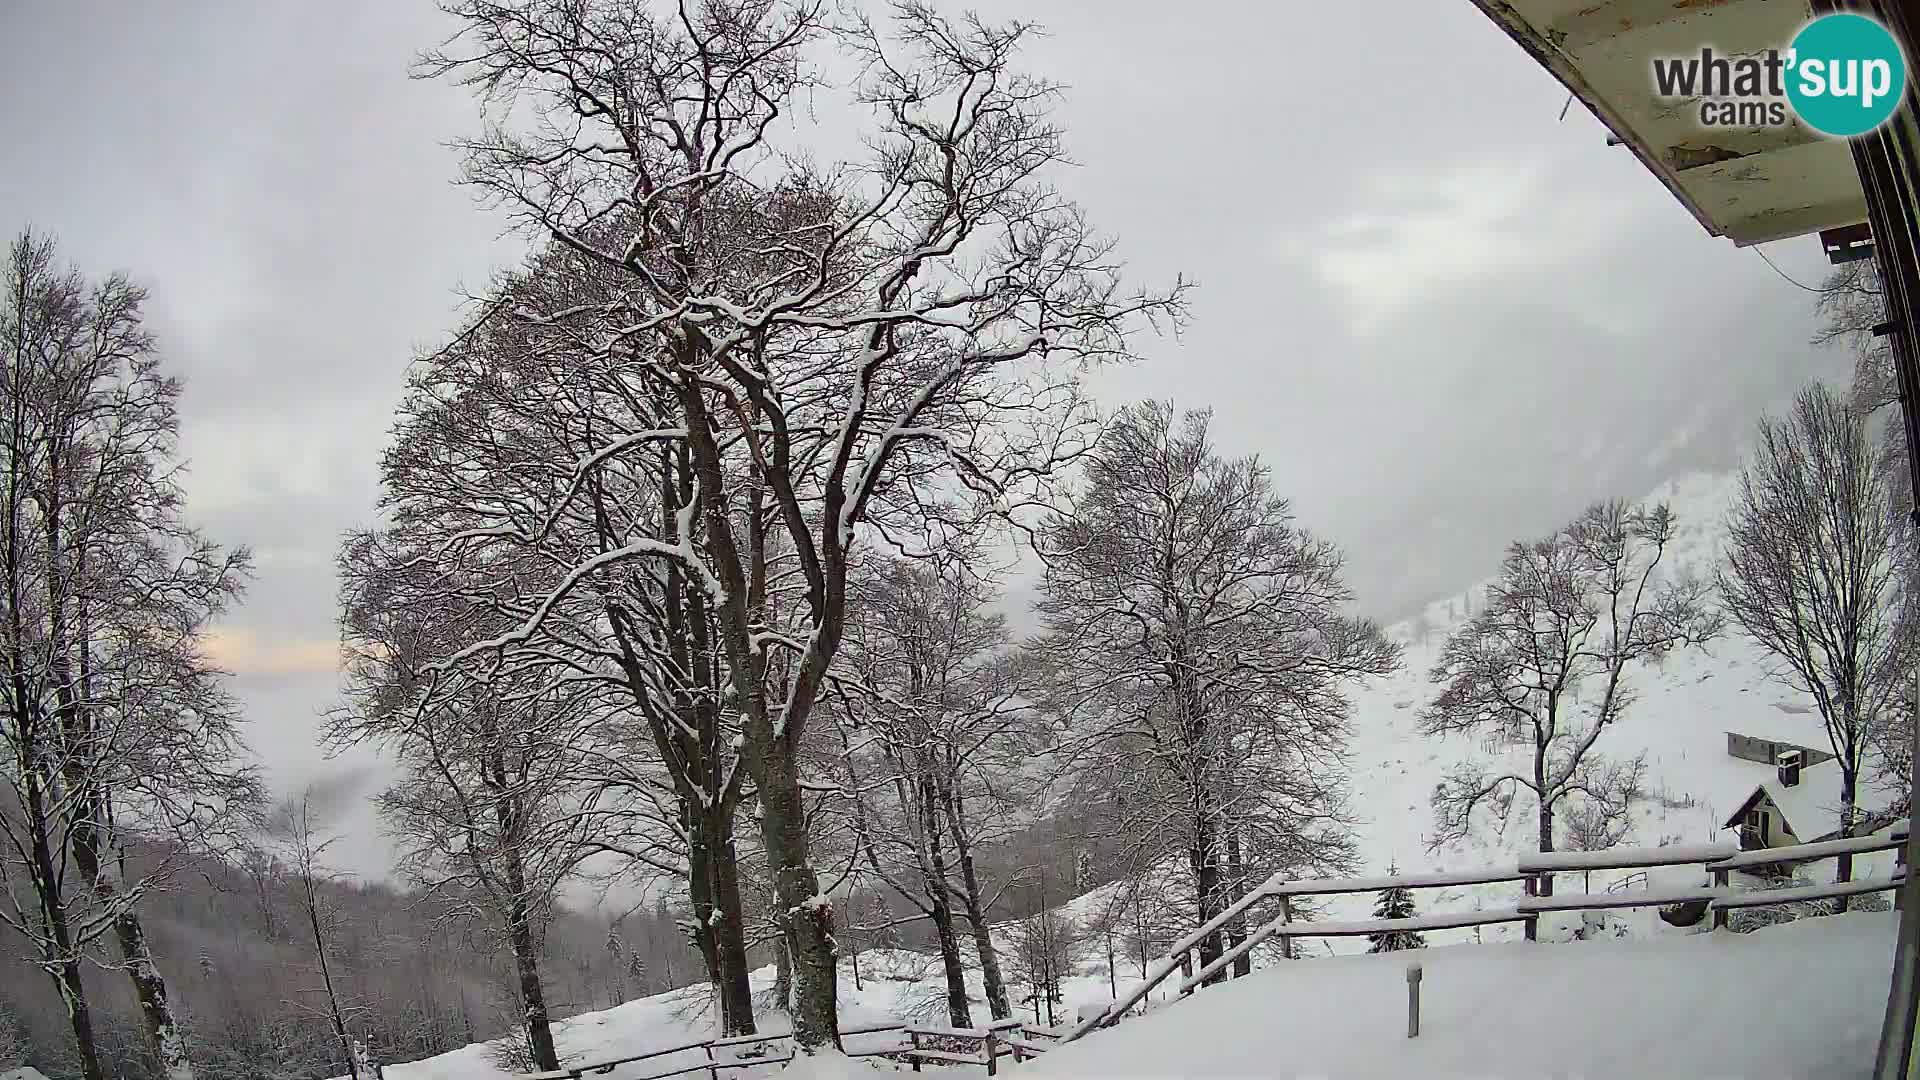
(1749, 184)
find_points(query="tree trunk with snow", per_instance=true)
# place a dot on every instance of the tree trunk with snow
(995, 984)
(805, 916)
(62, 960)
(526, 961)
(1237, 888)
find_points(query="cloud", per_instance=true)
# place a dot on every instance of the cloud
(243, 651)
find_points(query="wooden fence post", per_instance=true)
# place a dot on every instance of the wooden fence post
(915, 1058)
(993, 1052)
(1286, 916)
(1900, 868)
(713, 1067)
(1719, 913)
(1186, 973)
(1532, 924)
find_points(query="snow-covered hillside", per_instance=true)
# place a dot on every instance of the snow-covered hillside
(1683, 710)
(1680, 717)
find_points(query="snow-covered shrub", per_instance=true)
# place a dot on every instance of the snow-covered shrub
(511, 1052)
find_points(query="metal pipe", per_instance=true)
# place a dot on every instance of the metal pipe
(1413, 1000)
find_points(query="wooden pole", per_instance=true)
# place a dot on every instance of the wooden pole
(993, 1052)
(914, 1057)
(1533, 921)
(1286, 916)
(1719, 913)
(1413, 1000)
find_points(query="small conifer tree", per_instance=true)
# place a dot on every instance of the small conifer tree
(1396, 902)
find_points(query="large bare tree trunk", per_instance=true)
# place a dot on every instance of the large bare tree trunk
(1237, 888)
(65, 966)
(804, 914)
(995, 985)
(166, 1048)
(526, 964)
(719, 933)
(1849, 796)
(1206, 879)
(730, 942)
(940, 908)
(525, 954)
(1544, 883)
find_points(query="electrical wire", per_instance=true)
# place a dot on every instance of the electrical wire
(1783, 274)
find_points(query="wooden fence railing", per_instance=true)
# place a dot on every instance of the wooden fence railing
(1534, 872)
(917, 1045)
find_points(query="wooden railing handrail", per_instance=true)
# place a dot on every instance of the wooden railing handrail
(1819, 849)
(1717, 858)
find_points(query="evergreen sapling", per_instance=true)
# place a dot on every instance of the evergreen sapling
(1396, 902)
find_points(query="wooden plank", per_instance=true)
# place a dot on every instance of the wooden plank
(1764, 897)
(1028, 1045)
(949, 1033)
(1822, 849)
(745, 1063)
(1423, 922)
(1329, 886)
(950, 1058)
(1626, 858)
(744, 1040)
(1629, 899)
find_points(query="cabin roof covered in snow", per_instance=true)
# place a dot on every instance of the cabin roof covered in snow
(1811, 807)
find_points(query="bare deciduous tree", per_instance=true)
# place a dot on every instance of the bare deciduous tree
(937, 730)
(115, 723)
(1811, 576)
(1203, 645)
(301, 838)
(831, 343)
(1569, 614)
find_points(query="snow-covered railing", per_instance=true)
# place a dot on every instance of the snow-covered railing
(1535, 872)
(1746, 898)
(991, 1038)
(1822, 849)
(996, 1040)
(1625, 858)
(713, 1065)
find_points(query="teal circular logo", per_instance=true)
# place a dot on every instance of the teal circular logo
(1845, 74)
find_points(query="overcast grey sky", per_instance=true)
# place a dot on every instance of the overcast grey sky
(1446, 318)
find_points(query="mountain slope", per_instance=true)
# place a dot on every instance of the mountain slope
(1683, 708)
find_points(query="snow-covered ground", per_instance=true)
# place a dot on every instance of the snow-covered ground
(1661, 1002)
(1803, 999)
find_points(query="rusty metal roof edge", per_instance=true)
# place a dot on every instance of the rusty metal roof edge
(1548, 56)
